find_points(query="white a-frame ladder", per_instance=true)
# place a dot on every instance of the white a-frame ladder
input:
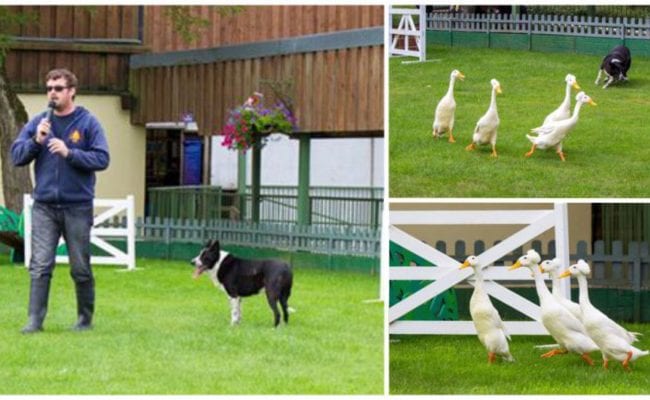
(406, 31)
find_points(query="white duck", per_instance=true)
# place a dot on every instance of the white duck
(614, 340)
(487, 321)
(486, 127)
(566, 329)
(564, 110)
(552, 267)
(444, 118)
(553, 134)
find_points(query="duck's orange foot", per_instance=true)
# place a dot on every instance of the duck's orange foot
(532, 150)
(553, 352)
(587, 359)
(626, 362)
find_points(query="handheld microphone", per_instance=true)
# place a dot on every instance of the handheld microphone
(50, 109)
(48, 116)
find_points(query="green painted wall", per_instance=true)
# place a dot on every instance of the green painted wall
(618, 304)
(509, 41)
(300, 259)
(553, 44)
(537, 42)
(469, 39)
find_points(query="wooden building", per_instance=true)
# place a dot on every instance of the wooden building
(333, 55)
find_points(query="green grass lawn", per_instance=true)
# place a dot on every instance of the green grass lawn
(607, 152)
(157, 331)
(458, 365)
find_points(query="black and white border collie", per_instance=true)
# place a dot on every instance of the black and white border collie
(615, 66)
(241, 278)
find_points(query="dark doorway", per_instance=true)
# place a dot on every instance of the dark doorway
(163, 158)
(174, 158)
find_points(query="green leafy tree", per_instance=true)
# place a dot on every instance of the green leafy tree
(189, 25)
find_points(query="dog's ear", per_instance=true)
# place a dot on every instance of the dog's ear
(209, 243)
(214, 246)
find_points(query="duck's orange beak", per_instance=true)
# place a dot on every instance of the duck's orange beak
(464, 265)
(515, 266)
(565, 274)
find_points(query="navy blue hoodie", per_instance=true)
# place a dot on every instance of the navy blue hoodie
(61, 180)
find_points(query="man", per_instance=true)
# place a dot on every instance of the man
(68, 149)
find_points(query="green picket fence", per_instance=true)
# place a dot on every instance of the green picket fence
(619, 284)
(546, 33)
(339, 240)
(329, 206)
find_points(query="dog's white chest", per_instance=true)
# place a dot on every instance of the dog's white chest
(215, 280)
(214, 271)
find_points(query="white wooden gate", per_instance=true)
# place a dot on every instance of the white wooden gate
(446, 274)
(98, 234)
(406, 32)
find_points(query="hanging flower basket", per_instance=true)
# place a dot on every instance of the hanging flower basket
(251, 124)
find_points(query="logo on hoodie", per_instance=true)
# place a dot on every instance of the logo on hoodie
(75, 136)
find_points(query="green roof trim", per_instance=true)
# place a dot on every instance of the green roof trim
(302, 44)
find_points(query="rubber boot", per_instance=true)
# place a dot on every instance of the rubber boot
(39, 291)
(85, 305)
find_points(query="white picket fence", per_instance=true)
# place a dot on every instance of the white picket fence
(567, 25)
(446, 272)
(110, 208)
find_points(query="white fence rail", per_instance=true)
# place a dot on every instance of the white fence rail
(408, 32)
(446, 272)
(110, 208)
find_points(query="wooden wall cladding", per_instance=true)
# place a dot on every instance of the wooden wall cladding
(259, 23)
(95, 42)
(336, 92)
(81, 22)
(97, 72)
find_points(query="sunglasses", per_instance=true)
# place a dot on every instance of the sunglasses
(56, 88)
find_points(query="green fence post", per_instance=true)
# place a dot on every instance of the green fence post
(489, 21)
(256, 182)
(304, 211)
(530, 31)
(634, 252)
(241, 184)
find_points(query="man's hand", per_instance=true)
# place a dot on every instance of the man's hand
(42, 130)
(57, 146)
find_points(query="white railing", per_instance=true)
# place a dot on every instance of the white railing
(568, 25)
(110, 208)
(408, 33)
(446, 273)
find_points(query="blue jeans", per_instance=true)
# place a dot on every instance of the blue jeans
(49, 223)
